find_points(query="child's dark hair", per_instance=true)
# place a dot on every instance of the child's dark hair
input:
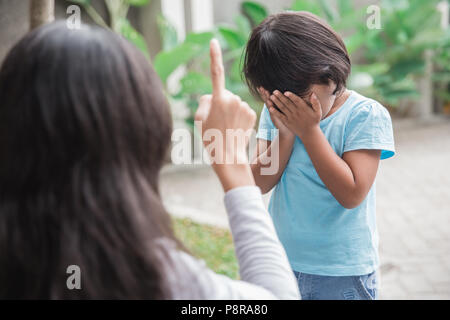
(290, 51)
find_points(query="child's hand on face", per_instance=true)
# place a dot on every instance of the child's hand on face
(298, 116)
(283, 130)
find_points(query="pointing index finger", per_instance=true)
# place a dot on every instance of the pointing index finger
(217, 73)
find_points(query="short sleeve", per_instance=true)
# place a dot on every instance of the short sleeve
(266, 128)
(370, 127)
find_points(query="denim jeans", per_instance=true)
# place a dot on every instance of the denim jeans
(315, 287)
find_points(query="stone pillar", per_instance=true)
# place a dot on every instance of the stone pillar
(41, 12)
(424, 106)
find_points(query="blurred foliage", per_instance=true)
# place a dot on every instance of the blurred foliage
(392, 57)
(394, 54)
(118, 22)
(193, 52)
(441, 74)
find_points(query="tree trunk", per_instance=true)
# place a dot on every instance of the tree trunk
(423, 108)
(41, 12)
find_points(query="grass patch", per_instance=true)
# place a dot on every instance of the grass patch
(212, 244)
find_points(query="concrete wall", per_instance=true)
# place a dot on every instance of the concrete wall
(14, 23)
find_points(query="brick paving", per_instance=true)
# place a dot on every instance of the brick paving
(413, 199)
(413, 209)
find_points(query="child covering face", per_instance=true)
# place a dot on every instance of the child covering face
(329, 141)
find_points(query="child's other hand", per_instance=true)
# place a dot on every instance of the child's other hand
(296, 114)
(283, 130)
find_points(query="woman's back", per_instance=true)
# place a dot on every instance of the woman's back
(84, 127)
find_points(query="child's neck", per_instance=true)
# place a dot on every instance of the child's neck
(339, 102)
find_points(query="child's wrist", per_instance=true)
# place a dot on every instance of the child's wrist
(234, 175)
(309, 133)
(286, 135)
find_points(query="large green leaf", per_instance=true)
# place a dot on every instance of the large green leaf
(351, 20)
(82, 2)
(345, 7)
(137, 3)
(306, 5)
(169, 36)
(232, 38)
(243, 26)
(132, 35)
(167, 61)
(195, 83)
(194, 45)
(235, 73)
(354, 42)
(395, 5)
(255, 11)
(327, 8)
(199, 38)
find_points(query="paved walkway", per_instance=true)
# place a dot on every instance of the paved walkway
(413, 196)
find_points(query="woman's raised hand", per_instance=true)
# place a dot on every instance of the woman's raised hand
(224, 116)
(225, 112)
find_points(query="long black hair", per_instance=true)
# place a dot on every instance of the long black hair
(84, 130)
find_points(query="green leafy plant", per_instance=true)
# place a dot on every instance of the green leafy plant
(192, 53)
(389, 60)
(393, 56)
(409, 29)
(118, 10)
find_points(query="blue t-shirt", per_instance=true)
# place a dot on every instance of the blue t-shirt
(321, 236)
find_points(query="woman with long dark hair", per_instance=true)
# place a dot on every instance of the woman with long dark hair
(84, 130)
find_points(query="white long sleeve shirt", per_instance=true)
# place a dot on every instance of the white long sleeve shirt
(263, 265)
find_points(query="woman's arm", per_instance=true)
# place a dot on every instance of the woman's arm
(263, 266)
(262, 259)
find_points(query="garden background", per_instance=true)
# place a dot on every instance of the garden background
(404, 62)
